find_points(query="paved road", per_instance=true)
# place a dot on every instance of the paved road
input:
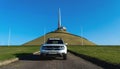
(34, 62)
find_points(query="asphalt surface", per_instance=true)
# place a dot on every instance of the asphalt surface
(36, 62)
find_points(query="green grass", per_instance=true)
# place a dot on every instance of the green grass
(110, 54)
(69, 38)
(9, 52)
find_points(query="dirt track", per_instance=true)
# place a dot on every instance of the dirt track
(35, 62)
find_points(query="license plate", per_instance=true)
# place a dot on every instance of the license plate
(52, 52)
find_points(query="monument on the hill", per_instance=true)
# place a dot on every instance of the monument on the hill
(61, 32)
(60, 27)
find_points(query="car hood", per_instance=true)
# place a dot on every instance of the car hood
(53, 44)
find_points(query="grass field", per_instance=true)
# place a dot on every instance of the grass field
(110, 54)
(9, 52)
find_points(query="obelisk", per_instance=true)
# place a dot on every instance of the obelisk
(59, 19)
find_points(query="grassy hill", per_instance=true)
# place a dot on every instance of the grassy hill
(69, 38)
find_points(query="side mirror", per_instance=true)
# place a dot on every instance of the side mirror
(41, 44)
(66, 43)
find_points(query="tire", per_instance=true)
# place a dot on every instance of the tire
(42, 56)
(64, 56)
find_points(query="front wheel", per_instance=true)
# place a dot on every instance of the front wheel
(64, 56)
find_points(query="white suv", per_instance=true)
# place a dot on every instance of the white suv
(54, 47)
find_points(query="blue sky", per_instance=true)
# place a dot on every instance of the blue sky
(100, 19)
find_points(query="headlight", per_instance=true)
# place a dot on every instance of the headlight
(62, 47)
(43, 48)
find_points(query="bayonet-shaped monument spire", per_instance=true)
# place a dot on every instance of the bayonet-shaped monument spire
(60, 27)
(59, 19)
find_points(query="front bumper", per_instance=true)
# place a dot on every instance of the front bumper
(52, 53)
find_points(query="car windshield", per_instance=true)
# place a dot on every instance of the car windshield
(54, 42)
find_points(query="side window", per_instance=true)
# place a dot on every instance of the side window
(60, 42)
